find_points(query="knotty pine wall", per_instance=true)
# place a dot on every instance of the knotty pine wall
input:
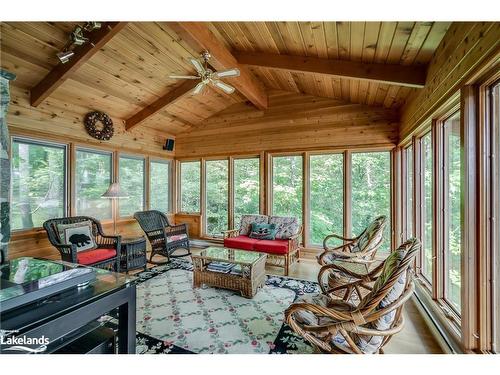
(54, 120)
(467, 49)
(292, 122)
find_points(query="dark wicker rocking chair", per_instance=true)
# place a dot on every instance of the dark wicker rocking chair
(360, 323)
(164, 238)
(104, 243)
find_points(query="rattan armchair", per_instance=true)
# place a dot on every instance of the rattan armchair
(104, 243)
(164, 238)
(358, 249)
(365, 326)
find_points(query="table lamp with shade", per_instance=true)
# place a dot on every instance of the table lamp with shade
(114, 192)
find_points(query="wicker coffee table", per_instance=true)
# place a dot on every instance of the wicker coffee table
(243, 271)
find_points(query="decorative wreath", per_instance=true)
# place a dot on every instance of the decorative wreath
(107, 131)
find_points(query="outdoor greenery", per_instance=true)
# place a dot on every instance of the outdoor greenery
(454, 232)
(287, 186)
(326, 196)
(216, 197)
(93, 176)
(246, 188)
(409, 192)
(131, 173)
(159, 185)
(38, 182)
(426, 144)
(371, 191)
(190, 186)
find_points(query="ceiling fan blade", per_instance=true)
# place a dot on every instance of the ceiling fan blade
(184, 77)
(199, 88)
(228, 89)
(198, 66)
(227, 73)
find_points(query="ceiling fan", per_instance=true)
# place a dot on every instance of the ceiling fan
(208, 76)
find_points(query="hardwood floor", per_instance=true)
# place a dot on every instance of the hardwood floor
(415, 338)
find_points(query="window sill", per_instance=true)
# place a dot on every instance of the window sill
(443, 327)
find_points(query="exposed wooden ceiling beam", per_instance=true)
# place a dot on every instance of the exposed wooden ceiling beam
(169, 98)
(403, 75)
(56, 77)
(200, 38)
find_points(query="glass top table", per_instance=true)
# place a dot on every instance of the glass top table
(225, 254)
(227, 268)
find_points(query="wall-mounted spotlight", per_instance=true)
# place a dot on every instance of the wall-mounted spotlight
(77, 36)
(89, 26)
(64, 56)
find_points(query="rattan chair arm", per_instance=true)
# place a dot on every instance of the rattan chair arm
(371, 313)
(333, 235)
(317, 310)
(230, 233)
(170, 228)
(67, 256)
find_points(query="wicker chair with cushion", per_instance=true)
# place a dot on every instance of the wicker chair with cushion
(359, 249)
(345, 326)
(106, 253)
(164, 238)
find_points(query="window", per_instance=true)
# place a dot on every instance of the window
(495, 125)
(246, 188)
(287, 186)
(216, 213)
(326, 196)
(131, 173)
(371, 191)
(92, 178)
(453, 227)
(428, 211)
(159, 185)
(38, 183)
(190, 186)
(409, 191)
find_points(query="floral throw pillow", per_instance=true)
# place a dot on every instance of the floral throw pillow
(263, 231)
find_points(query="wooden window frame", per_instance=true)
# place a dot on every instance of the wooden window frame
(66, 169)
(145, 181)
(113, 178)
(178, 184)
(151, 160)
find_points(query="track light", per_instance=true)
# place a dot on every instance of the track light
(77, 36)
(89, 26)
(64, 56)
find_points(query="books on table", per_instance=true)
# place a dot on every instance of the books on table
(224, 267)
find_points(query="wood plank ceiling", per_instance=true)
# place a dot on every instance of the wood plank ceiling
(131, 70)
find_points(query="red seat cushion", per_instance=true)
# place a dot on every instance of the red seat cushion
(94, 256)
(240, 242)
(272, 246)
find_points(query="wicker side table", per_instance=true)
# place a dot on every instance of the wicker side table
(133, 253)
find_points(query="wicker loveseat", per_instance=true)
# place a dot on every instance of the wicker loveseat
(282, 251)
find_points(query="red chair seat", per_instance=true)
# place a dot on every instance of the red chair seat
(90, 257)
(272, 246)
(240, 242)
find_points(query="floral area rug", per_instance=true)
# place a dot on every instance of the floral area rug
(173, 317)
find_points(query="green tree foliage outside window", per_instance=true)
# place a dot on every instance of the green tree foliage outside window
(216, 197)
(326, 196)
(454, 232)
(287, 186)
(426, 151)
(190, 186)
(159, 189)
(246, 188)
(93, 176)
(38, 182)
(132, 185)
(409, 192)
(371, 191)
